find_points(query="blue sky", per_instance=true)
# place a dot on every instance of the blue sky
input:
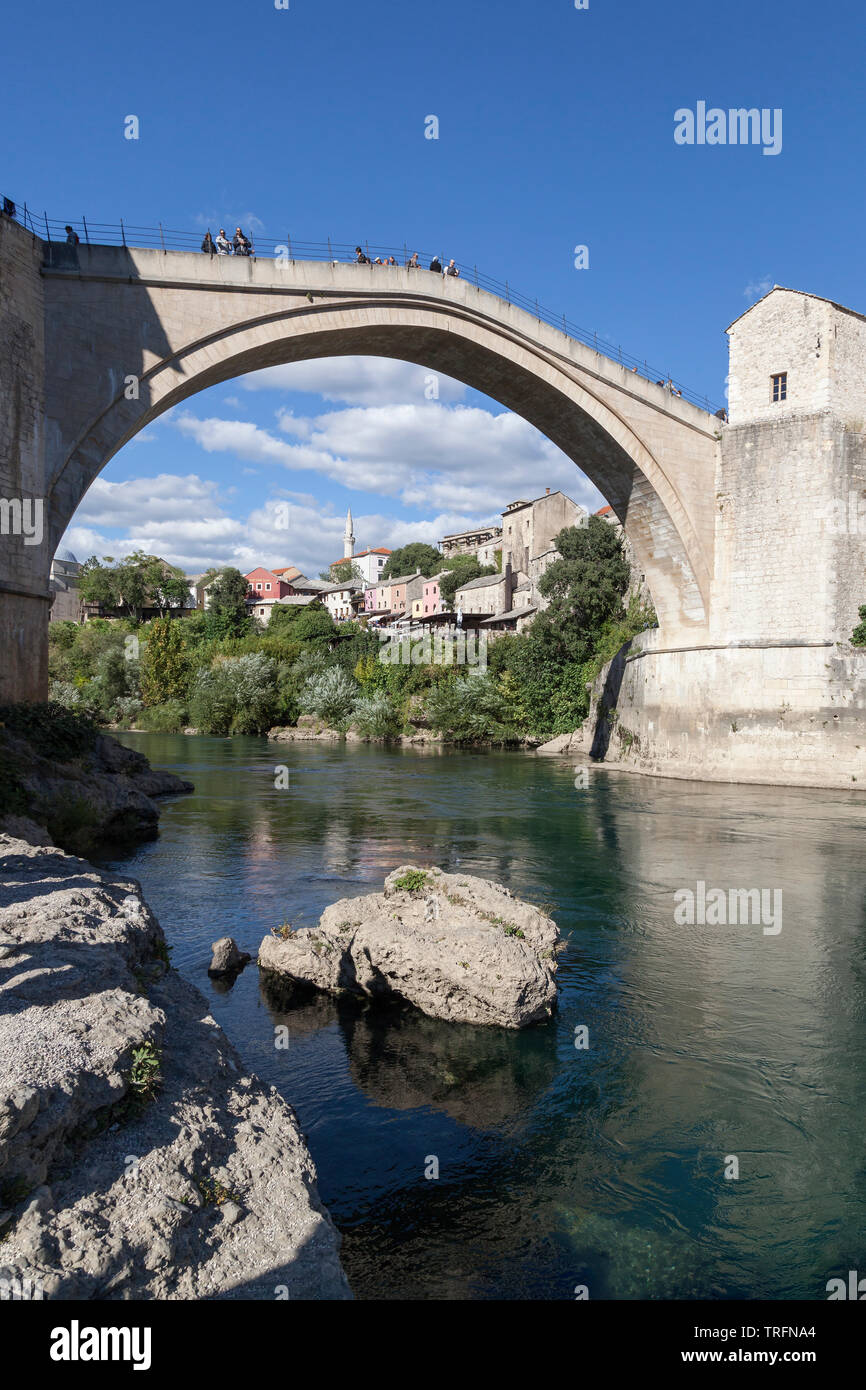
(556, 129)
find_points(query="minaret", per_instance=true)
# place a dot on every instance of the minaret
(348, 538)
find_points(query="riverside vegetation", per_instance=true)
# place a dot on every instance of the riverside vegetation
(219, 673)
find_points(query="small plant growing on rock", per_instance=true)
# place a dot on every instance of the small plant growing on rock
(145, 1076)
(214, 1193)
(284, 932)
(509, 929)
(413, 881)
(162, 951)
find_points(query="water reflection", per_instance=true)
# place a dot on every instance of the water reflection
(558, 1166)
(402, 1060)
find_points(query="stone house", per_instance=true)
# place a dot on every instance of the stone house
(529, 529)
(477, 541)
(486, 596)
(66, 602)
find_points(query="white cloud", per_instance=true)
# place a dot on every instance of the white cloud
(458, 459)
(358, 381)
(758, 288)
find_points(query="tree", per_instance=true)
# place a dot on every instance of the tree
(858, 636)
(414, 556)
(586, 587)
(343, 572)
(97, 583)
(227, 606)
(315, 624)
(461, 569)
(133, 584)
(283, 616)
(165, 667)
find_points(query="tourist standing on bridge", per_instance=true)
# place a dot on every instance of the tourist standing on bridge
(452, 268)
(436, 265)
(413, 263)
(223, 245)
(242, 244)
(207, 245)
(360, 258)
(71, 237)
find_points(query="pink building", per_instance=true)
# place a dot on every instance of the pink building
(431, 599)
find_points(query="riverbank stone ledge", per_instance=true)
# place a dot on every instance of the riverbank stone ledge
(455, 946)
(106, 794)
(203, 1187)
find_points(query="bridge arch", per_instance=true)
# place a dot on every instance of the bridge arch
(178, 335)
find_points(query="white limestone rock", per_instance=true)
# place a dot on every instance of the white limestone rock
(458, 948)
(83, 982)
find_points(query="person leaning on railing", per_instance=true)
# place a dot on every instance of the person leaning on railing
(207, 245)
(223, 245)
(242, 244)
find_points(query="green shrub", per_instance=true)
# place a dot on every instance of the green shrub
(413, 881)
(62, 634)
(169, 718)
(127, 711)
(331, 695)
(375, 717)
(858, 636)
(471, 709)
(239, 695)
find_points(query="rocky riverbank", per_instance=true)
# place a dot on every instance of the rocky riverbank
(137, 1160)
(455, 946)
(64, 783)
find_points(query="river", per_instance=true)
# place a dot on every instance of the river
(609, 1166)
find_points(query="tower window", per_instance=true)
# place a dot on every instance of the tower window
(780, 387)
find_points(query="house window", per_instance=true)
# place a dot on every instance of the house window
(268, 587)
(258, 586)
(780, 387)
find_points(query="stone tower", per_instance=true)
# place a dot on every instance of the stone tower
(348, 538)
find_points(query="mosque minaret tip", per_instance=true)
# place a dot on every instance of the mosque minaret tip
(348, 538)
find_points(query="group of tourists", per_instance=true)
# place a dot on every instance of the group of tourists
(239, 245)
(413, 263)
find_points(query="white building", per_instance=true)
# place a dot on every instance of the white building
(343, 601)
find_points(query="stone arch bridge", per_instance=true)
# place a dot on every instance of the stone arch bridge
(78, 322)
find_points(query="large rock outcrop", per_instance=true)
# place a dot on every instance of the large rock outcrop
(102, 792)
(457, 947)
(136, 1158)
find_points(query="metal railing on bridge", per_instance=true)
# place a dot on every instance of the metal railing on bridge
(162, 238)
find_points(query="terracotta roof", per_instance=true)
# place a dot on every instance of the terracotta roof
(603, 511)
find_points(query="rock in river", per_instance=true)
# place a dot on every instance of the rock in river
(457, 947)
(226, 959)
